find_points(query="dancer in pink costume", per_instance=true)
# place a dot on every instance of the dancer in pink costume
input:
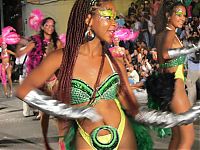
(6, 69)
(9, 36)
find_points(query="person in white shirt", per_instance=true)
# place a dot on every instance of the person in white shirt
(152, 32)
(137, 24)
(193, 76)
(133, 76)
(27, 111)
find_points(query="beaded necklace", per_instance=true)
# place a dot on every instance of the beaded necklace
(176, 36)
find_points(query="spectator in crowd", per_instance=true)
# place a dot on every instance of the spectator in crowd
(133, 76)
(193, 74)
(136, 26)
(189, 13)
(196, 8)
(144, 32)
(27, 111)
(132, 9)
(154, 7)
(121, 20)
(127, 58)
(134, 56)
(152, 32)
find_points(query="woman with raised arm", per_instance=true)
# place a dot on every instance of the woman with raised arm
(38, 47)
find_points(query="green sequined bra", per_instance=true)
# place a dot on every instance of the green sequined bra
(81, 92)
(174, 62)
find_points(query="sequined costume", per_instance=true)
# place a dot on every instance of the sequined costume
(179, 61)
(106, 138)
(3, 67)
(81, 92)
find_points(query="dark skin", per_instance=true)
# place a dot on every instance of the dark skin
(91, 54)
(182, 136)
(8, 70)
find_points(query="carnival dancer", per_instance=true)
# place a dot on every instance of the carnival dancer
(123, 34)
(167, 88)
(101, 84)
(6, 70)
(9, 36)
(96, 84)
(37, 49)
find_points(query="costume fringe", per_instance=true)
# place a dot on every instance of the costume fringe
(70, 137)
(143, 138)
(160, 87)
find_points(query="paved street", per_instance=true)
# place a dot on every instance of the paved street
(20, 133)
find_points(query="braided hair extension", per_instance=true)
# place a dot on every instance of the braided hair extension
(75, 31)
(92, 100)
(123, 86)
(166, 10)
(54, 35)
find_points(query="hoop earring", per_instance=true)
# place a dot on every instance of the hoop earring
(89, 34)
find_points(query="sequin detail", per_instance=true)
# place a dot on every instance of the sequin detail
(81, 92)
(174, 62)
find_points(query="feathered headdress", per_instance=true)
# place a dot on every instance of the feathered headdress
(9, 35)
(125, 34)
(62, 37)
(35, 19)
(1, 40)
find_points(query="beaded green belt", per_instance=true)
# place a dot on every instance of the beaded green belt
(174, 62)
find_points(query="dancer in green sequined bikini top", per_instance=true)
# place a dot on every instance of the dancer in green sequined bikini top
(87, 80)
(82, 92)
(90, 77)
(167, 88)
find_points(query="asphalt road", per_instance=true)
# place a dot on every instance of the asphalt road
(24, 133)
(21, 133)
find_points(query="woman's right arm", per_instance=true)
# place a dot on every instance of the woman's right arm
(40, 74)
(28, 48)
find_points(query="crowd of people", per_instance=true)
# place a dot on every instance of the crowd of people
(154, 61)
(142, 17)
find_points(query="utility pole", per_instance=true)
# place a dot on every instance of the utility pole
(1, 10)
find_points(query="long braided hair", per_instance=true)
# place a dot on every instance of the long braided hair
(75, 33)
